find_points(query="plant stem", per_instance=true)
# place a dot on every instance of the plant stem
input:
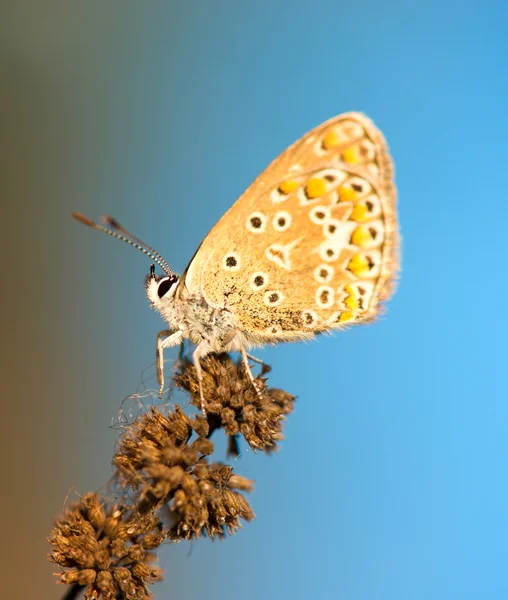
(73, 592)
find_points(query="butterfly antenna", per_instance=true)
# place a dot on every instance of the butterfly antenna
(114, 224)
(126, 237)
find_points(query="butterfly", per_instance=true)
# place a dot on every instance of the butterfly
(311, 246)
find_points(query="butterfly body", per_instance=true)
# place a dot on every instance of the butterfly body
(211, 328)
(310, 247)
(202, 324)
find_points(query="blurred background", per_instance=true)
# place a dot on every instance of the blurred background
(392, 482)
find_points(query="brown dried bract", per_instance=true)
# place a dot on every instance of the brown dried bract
(157, 458)
(162, 466)
(232, 402)
(106, 548)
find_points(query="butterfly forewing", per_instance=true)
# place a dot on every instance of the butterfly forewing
(313, 243)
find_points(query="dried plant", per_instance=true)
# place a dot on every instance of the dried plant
(162, 464)
(234, 404)
(106, 549)
(156, 459)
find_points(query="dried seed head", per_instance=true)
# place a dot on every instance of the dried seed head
(103, 547)
(232, 401)
(162, 460)
(157, 458)
(213, 506)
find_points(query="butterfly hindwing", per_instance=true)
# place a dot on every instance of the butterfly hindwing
(312, 244)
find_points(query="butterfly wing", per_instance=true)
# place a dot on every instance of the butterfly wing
(312, 244)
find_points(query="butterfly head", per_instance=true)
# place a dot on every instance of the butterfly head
(160, 289)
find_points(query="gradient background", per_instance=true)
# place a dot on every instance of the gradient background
(392, 481)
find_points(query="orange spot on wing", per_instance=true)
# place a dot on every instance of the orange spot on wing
(346, 194)
(359, 213)
(315, 187)
(350, 155)
(361, 237)
(346, 316)
(359, 265)
(330, 141)
(286, 187)
(352, 303)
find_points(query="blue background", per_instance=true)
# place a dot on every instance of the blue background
(392, 481)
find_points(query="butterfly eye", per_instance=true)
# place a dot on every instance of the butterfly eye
(231, 262)
(165, 285)
(325, 296)
(332, 228)
(273, 298)
(282, 221)
(309, 318)
(258, 281)
(319, 214)
(328, 252)
(256, 222)
(359, 186)
(323, 273)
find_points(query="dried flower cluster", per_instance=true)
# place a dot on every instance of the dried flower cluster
(234, 404)
(157, 459)
(162, 464)
(106, 549)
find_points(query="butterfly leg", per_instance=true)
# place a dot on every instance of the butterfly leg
(258, 360)
(165, 339)
(249, 371)
(181, 351)
(196, 357)
(178, 363)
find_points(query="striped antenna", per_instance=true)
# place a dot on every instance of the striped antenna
(126, 237)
